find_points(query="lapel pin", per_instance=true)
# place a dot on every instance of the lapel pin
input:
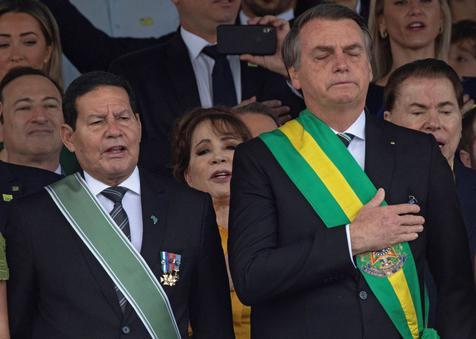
(154, 219)
(392, 142)
(7, 197)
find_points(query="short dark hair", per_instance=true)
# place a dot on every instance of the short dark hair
(467, 135)
(88, 82)
(291, 46)
(425, 68)
(19, 72)
(463, 30)
(223, 122)
(256, 108)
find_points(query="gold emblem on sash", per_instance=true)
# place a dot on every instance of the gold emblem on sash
(384, 262)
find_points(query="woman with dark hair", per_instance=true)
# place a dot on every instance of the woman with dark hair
(203, 146)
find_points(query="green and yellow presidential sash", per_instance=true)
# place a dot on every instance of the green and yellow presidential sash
(336, 187)
(124, 265)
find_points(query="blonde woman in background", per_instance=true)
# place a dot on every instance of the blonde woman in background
(404, 31)
(29, 36)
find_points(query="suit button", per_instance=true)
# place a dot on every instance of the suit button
(125, 330)
(363, 295)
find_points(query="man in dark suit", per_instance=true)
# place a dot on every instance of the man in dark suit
(62, 282)
(306, 273)
(18, 181)
(173, 77)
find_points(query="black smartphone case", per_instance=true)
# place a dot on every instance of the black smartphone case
(246, 39)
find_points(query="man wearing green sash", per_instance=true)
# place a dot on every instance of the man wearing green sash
(114, 251)
(334, 215)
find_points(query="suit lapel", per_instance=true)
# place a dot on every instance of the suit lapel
(379, 154)
(101, 277)
(181, 74)
(154, 218)
(154, 221)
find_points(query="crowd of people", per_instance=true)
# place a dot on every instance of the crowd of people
(171, 191)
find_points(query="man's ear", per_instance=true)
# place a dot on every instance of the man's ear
(387, 116)
(67, 137)
(140, 124)
(465, 158)
(294, 77)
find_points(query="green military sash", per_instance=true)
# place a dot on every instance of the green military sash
(124, 265)
(336, 187)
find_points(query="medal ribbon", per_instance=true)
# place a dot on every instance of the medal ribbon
(333, 183)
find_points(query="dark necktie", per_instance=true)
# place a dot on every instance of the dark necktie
(346, 138)
(115, 194)
(223, 87)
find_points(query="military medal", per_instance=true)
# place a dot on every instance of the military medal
(170, 264)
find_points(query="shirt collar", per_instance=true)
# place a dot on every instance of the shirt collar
(194, 43)
(132, 183)
(357, 129)
(59, 170)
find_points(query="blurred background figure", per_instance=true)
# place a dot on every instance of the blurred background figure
(183, 73)
(426, 95)
(462, 56)
(283, 9)
(29, 36)
(257, 117)
(467, 145)
(359, 6)
(110, 28)
(403, 32)
(462, 9)
(203, 146)
(30, 109)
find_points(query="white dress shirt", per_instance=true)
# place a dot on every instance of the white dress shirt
(59, 170)
(203, 66)
(357, 150)
(131, 203)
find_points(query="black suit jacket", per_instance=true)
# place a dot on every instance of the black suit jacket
(165, 84)
(17, 181)
(466, 188)
(297, 274)
(57, 289)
